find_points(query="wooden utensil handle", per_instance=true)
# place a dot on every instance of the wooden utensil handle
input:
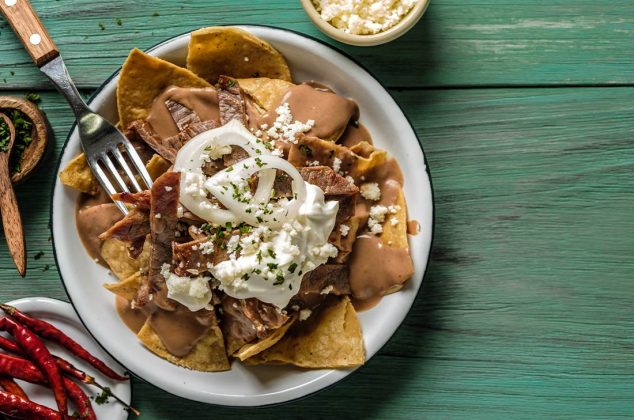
(30, 30)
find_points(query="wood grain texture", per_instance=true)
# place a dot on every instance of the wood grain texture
(527, 307)
(11, 220)
(457, 43)
(29, 29)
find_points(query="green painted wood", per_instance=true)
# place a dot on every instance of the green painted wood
(457, 43)
(527, 307)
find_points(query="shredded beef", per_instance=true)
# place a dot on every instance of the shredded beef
(168, 147)
(232, 107)
(245, 320)
(163, 225)
(319, 280)
(182, 116)
(188, 258)
(133, 226)
(140, 199)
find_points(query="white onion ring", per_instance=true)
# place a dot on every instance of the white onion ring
(189, 164)
(241, 172)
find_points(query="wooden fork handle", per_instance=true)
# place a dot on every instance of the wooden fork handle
(30, 30)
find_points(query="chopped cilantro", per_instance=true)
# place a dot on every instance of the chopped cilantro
(245, 277)
(259, 162)
(23, 136)
(271, 253)
(292, 268)
(104, 396)
(33, 97)
(279, 279)
(231, 83)
(39, 255)
(229, 169)
(272, 266)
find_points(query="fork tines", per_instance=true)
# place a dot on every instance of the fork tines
(110, 165)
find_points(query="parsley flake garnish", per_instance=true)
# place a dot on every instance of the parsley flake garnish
(292, 268)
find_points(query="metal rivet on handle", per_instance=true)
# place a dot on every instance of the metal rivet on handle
(10, 2)
(35, 39)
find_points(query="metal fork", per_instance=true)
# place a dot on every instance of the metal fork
(104, 146)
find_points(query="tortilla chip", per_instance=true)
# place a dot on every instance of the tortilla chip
(333, 339)
(115, 254)
(157, 166)
(234, 52)
(78, 175)
(126, 288)
(396, 235)
(207, 356)
(142, 79)
(251, 349)
(264, 91)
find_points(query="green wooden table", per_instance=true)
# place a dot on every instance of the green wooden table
(525, 109)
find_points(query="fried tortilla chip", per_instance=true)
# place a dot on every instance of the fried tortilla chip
(264, 91)
(142, 79)
(233, 52)
(208, 355)
(333, 339)
(126, 288)
(251, 349)
(115, 253)
(78, 175)
(395, 235)
(157, 166)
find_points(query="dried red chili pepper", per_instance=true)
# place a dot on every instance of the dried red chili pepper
(25, 370)
(67, 368)
(50, 332)
(14, 406)
(31, 345)
(11, 387)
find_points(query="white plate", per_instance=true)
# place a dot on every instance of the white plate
(262, 385)
(63, 316)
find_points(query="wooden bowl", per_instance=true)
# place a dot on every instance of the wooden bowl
(34, 151)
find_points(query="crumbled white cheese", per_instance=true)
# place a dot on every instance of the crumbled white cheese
(344, 230)
(157, 216)
(371, 191)
(336, 164)
(313, 163)
(168, 188)
(393, 221)
(246, 58)
(363, 17)
(284, 128)
(350, 179)
(304, 314)
(326, 290)
(377, 217)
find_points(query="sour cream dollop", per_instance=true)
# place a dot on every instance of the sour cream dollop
(287, 239)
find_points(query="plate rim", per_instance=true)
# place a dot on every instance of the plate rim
(427, 171)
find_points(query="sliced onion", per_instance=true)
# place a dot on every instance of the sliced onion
(188, 162)
(218, 186)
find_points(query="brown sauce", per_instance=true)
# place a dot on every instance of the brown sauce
(413, 227)
(202, 101)
(134, 319)
(95, 215)
(331, 112)
(376, 270)
(355, 134)
(180, 329)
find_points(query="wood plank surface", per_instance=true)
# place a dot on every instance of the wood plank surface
(527, 307)
(457, 43)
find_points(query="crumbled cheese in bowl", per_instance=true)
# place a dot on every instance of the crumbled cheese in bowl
(363, 17)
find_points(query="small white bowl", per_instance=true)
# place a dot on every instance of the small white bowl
(391, 34)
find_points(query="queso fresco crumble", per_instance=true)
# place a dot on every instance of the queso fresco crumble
(363, 17)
